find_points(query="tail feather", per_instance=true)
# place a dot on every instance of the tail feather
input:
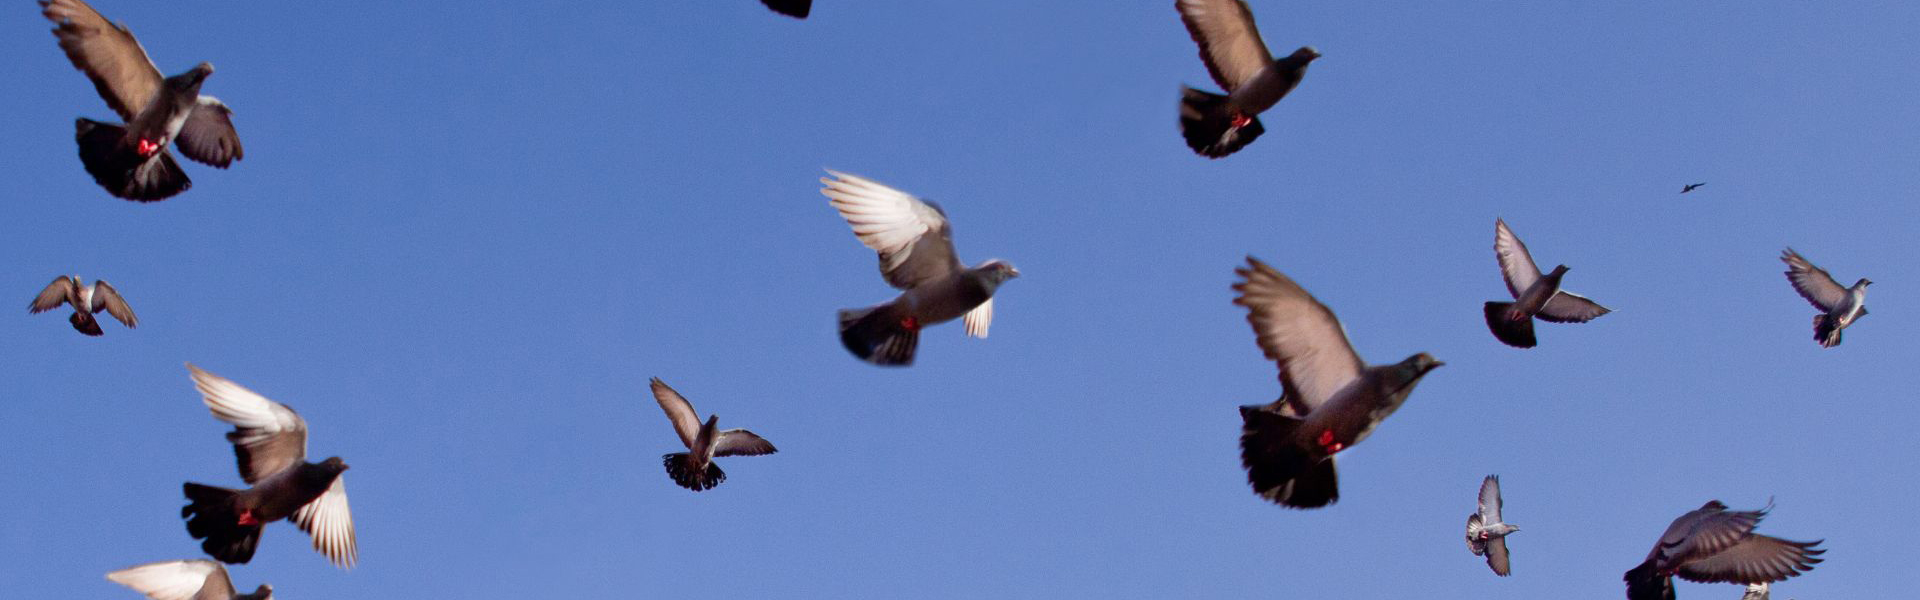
(1646, 583)
(1518, 334)
(85, 323)
(1207, 123)
(121, 170)
(680, 467)
(1280, 469)
(211, 517)
(875, 335)
(1824, 332)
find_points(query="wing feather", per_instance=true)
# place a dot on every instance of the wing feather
(740, 442)
(208, 135)
(267, 436)
(1497, 556)
(176, 579)
(1813, 283)
(1568, 307)
(686, 422)
(107, 53)
(1754, 559)
(1299, 333)
(53, 296)
(911, 235)
(1230, 45)
(108, 299)
(1516, 264)
(1490, 499)
(329, 520)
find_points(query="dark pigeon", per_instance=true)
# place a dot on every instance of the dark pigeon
(1691, 186)
(1217, 125)
(694, 469)
(1535, 295)
(1715, 545)
(86, 300)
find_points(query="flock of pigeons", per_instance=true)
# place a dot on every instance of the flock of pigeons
(1331, 399)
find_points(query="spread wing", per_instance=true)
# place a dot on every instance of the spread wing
(330, 522)
(1497, 557)
(107, 53)
(108, 299)
(176, 580)
(1229, 43)
(1516, 264)
(53, 296)
(267, 436)
(1704, 532)
(208, 135)
(913, 237)
(1298, 332)
(1568, 307)
(1812, 282)
(1755, 559)
(1490, 500)
(740, 442)
(979, 319)
(679, 411)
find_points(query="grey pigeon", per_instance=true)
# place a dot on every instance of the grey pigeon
(198, 579)
(131, 161)
(1841, 306)
(915, 243)
(270, 441)
(1330, 399)
(1486, 533)
(1217, 125)
(1535, 295)
(797, 9)
(1691, 186)
(694, 469)
(1757, 591)
(1714, 545)
(86, 300)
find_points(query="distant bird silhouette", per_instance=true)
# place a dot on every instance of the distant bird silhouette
(694, 469)
(793, 8)
(1329, 401)
(1486, 532)
(1714, 545)
(1840, 306)
(1690, 187)
(1535, 295)
(131, 161)
(197, 579)
(86, 300)
(915, 243)
(1217, 125)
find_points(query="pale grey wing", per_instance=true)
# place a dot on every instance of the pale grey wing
(1812, 282)
(1705, 532)
(1755, 559)
(740, 442)
(108, 299)
(208, 135)
(1756, 591)
(53, 296)
(1568, 307)
(1516, 264)
(1497, 557)
(981, 318)
(1299, 333)
(267, 436)
(911, 235)
(1490, 499)
(330, 522)
(1230, 45)
(107, 53)
(177, 580)
(679, 410)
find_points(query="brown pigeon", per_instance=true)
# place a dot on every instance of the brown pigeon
(1715, 545)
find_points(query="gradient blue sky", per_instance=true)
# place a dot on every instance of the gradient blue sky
(464, 235)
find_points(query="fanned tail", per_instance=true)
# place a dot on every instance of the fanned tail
(1278, 468)
(1207, 123)
(1518, 334)
(1646, 583)
(1824, 332)
(877, 336)
(680, 467)
(121, 170)
(210, 516)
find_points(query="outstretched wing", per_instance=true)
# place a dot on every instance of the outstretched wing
(1755, 559)
(176, 579)
(1812, 282)
(913, 237)
(1568, 307)
(1299, 333)
(208, 135)
(1490, 499)
(53, 296)
(330, 522)
(1230, 45)
(267, 436)
(1497, 556)
(1516, 264)
(107, 53)
(740, 442)
(679, 411)
(108, 299)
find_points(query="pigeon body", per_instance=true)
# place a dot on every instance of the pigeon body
(915, 244)
(1330, 399)
(1691, 186)
(86, 300)
(797, 9)
(131, 161)
(1216, 125)
(1715, 545)
(1839, 306)
(1535, 295)
(1757, 591)
(198, 579)
(270, 441)
(694, 469)
(1486, 532)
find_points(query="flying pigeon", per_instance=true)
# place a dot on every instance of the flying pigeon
(797, 9)
(694, 469)
(1486, 533)
(86, 300)
(131, 161)
(1534, 295)
(1713, 545)
(1330, 399)
(1217, 125)
(1690, 187)
(1842, 306)
(915, 243)
(270, 442)
(198, 579)
(1756, 591)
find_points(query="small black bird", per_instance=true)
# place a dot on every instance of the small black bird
(1690, 187)
(797, 9)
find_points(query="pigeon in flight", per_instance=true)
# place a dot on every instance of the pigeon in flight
(1217, 125)
(1691, 186)
(915, 243)
(131, 161)
(86, 301)
(1535, 295)
(270, 442)
(1757, 591)
(1714, 545)
(1841, 306)
(1330, 399)
(694, 469)
(1486, 533)
(198, 579)
(797, 9)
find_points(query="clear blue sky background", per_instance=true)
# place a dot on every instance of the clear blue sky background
(464, 236)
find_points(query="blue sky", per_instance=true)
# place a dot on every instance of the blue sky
(464, 237)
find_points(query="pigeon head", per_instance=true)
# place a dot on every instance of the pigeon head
(334, 465)
(1305, 54)
(189, 82)
(997, 271)
(1713, 505)
(1419, 364)
(1864, 282)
